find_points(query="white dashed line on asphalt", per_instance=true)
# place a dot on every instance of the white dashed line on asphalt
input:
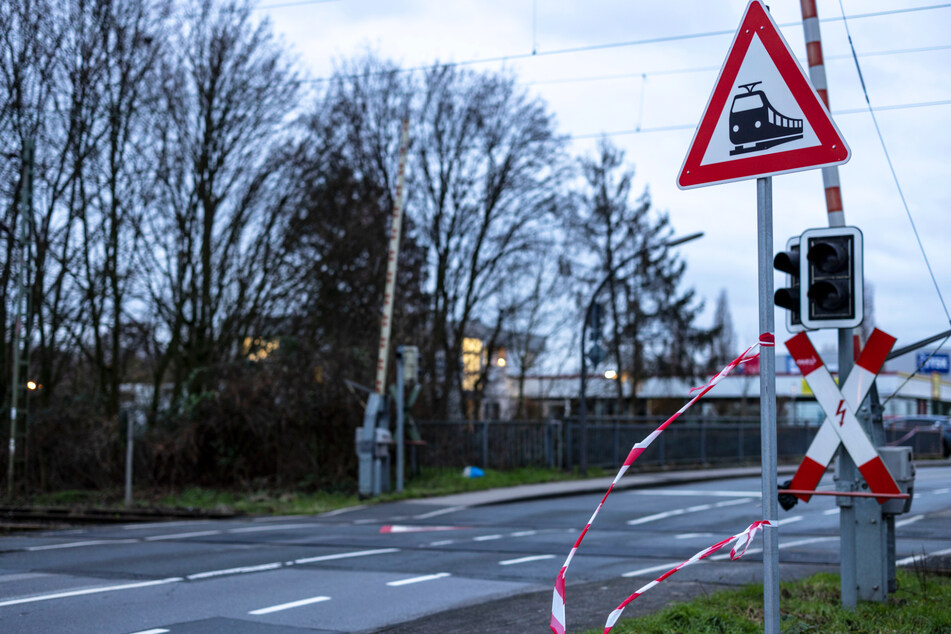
(690, 509)
(92, 542)
(155, 538)
(85, 591)
(234, 571)
(406, 582)
(438, 512)
(910, 560)
(342, 511)
(789, 520)
(525, 560)
(288, 606)
(486, 538)
(358, 553)
(278, 527)
(910, 520)
(157, 630)
(444, 542)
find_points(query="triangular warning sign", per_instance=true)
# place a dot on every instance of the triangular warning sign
(763, 117)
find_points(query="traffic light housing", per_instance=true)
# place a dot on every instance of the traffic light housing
(790, 297)
(830, 265)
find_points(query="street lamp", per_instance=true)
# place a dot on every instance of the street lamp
(582, 402)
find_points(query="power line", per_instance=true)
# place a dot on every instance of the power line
(704, 69)
(690, 126)
(891, 167)
(624, 44)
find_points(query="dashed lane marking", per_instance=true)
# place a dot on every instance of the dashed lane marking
(358, 553)
(155, 538)
(406, 582)
(288, 606)
(525, 560)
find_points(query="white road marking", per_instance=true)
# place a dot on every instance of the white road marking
(789, 520)
(358, 553)
(443, 542)
(438, 512)
(234, 571)
(524, 560)
(343, 510)
(697, 493)
(406, 582)
(656, 516)
(689, 509)
(155, 538)
(524, 533)
(733, 502)
(832, 511)
(486, 538)
(941, 491)
(910, 520)
(910, 560)
(85, 591)
(92, 542)
(156, 630)
(366, 521)
(692, 535)
(652, 569)
(288, 606)
(261, 529)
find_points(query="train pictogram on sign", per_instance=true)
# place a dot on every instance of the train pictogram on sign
(756, 125)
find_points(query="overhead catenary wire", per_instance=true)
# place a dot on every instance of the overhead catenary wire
(621, 44)
(904, 201)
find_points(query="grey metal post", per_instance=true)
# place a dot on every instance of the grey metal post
(767, 378)
(847, 476)
(128, 459)
(400, 447)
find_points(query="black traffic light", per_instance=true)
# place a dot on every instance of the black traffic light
(789, 298)
(832, 278)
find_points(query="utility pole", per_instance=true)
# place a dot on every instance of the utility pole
(21, 338)
(864, 533)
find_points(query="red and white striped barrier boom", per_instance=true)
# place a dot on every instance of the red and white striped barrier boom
(817, 75)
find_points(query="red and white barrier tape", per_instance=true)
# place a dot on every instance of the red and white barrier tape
(746, 537)
(558, 622)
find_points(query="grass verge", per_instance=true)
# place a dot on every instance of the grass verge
(922, 605)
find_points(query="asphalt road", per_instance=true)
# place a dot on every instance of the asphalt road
(420, 566)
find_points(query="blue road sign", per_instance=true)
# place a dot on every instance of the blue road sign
(939, 362)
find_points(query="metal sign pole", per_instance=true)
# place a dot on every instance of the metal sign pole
(767, 381)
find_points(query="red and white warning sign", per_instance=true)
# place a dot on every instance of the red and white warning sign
(763, 117)
(840, 425)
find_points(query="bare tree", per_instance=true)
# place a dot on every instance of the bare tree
(220, 204)
(488, 165)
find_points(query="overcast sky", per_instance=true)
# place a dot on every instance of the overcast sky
(648, 95)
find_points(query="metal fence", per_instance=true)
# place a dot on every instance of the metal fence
(496, 444)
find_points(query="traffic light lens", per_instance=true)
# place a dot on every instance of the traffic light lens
(830, 255)
(830, 295)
